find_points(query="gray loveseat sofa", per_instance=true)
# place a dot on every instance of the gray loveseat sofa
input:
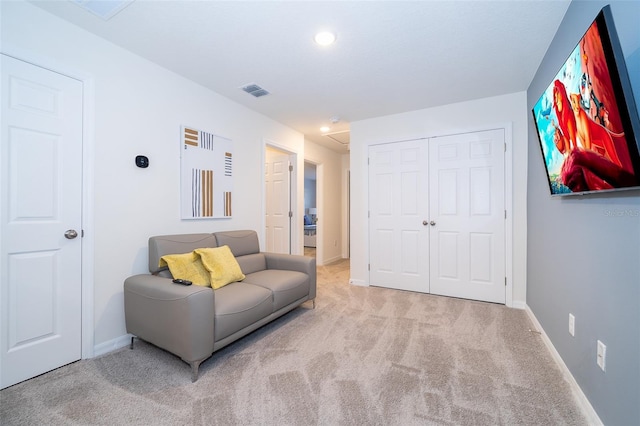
(193, 322)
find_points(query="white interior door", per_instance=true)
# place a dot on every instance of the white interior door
(466, 178)
(398, 196)
(278, 198)
(41, 190)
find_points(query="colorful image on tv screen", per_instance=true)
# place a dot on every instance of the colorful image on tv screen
(579, 124)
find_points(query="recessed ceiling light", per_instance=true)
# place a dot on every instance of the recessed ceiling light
(325, 129)
(325, 38)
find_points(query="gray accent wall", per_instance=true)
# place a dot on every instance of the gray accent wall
(583, 252)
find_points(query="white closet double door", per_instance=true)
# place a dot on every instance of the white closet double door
(437, 215)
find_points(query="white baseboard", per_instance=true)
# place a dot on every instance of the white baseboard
(518, 304)
(111, 345)
(587, 409)
(361, 283)
(333, 259)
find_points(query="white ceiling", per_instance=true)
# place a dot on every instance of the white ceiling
(390, 56)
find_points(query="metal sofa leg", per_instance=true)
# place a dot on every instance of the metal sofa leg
(131, 345)
(194, 370)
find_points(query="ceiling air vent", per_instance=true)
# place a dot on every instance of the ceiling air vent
(343, 137)
(103, 9)
(255, 90)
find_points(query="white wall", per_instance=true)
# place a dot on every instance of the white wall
(594, 273)
(346, 205)
(480, 114)
(329, 187)
(138, 109)
(309, 194)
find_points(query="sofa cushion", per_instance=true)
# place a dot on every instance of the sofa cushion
(222, 266)
(251, 263)
(186, 266)
(239, 305)
(240, 242)
(287, 286)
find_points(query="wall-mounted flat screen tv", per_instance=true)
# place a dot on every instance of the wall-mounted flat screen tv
(587, 120)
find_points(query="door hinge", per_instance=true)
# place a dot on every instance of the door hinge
(290, 214)
(368, 267)
(290, 167)
(505, 147)
(505, 281)
(369, 213)
(505, 214)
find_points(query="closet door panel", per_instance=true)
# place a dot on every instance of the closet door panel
(466, 180)
(398, 203)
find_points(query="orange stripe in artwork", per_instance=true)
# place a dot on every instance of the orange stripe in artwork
(190, 131)
(227, 203)
(207, 205)
(210, 172)
(192, 137)
(208, 196)
(190, 143)
(203, 196)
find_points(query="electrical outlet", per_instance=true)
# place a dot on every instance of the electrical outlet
(601, 355)
(572, 325)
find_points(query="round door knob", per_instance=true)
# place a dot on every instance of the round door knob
(70, 234)
(432, 223)
(425, 223)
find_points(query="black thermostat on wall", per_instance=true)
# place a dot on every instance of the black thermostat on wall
(142, 161)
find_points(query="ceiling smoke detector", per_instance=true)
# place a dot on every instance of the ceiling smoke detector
(254, 90)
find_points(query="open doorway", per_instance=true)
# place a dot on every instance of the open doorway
(310, 209)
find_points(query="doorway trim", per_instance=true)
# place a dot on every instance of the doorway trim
(88, 145)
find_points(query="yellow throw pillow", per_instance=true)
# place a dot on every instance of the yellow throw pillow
(222, 265)
(186, 266)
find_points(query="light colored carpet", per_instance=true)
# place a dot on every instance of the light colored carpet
(364, 356)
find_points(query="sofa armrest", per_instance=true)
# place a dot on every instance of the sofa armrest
(293, 262)
(174, 317)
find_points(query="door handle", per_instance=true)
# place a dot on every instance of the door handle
(70, 234)
(432, 223)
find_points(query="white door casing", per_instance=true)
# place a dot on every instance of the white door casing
(466, 179)
(41, 189)
(398, 194)
(437, 215)
(278, 197)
